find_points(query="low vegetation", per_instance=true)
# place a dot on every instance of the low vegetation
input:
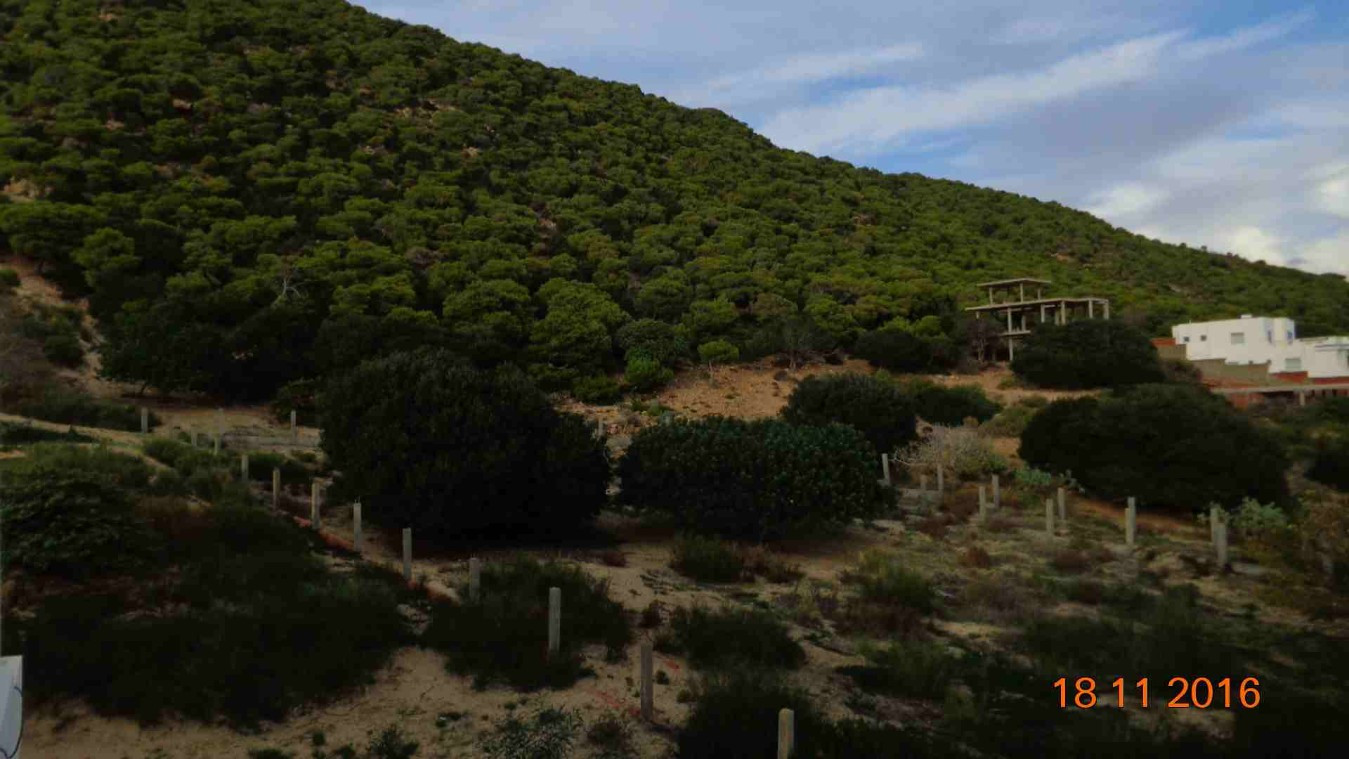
(65, 406)
(949, 406)
(877, 409)
(716, 639)
(961, 451)
(753, 480)
(13, 434)
(503, 636)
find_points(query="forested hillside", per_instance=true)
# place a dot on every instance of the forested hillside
(255, 192)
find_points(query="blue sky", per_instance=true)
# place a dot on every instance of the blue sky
(1218, 123)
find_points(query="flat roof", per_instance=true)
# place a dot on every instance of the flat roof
(1018, 280)
(1037, 302)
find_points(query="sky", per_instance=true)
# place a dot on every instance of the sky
(1222, 123)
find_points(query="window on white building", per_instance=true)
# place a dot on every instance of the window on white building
(1203, 338)
(1292, 364)
(1238, 338)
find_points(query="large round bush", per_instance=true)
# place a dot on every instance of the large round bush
(756, 480)
(428, 441)
(950, 406)
(1171, 445)
(878, 409)
(1330, 463)
(1093, 353)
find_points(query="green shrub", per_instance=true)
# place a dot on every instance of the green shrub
(549, 735)
(912, 669)
(1092, 353)
(718, 352)
(882, 577)
(653, 338)
(735, 716)
(1012, 420)
(300, 396)
(12, 434)
(243, 623)
(63, 349)
(901, 350)
(1169, 445)
(261, 464)
(950, 406)
(731, 637)
(179, 455)
(504, 636)
(9, 279)
(67, 407)
(707, 559)
(431, 443)
(1330, 462)
(883, 414)
(645, 373)
(66, 519)
(600, 389)
(757, 480)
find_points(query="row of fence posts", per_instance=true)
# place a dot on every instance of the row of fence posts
(1056, 510)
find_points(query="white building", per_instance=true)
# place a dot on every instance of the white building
(1264, 340)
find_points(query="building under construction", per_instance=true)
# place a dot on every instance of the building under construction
(1017, 314)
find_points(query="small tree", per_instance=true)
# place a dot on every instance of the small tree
(1093, 353)
(879, 410)
(1170, 445)
(430, 442)
(717, 352)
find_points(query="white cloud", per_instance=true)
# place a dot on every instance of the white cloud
(1256, 244)
(1129, 199)
(1242, 38)
(1329, 254)
(770, 79)
(1332, 194)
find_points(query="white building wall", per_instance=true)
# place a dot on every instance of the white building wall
(1264, 339)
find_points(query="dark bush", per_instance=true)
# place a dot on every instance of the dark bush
(950, 406)
(12, 434)
(504, 637)
(707, 559)
(1168, 445)
(63, 349)
(883, 414)
(63, 517)
(300, 396)
(731, 637)
(757, 480)
(68, 407)
(1330, 462)
(432, 443)
(599, 389)
(9, 279)
(913, 669)
(903, 351)
(1092, 353)
(735, 716)
(644, 373)
(652, 338)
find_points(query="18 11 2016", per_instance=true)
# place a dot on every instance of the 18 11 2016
(1185, 692)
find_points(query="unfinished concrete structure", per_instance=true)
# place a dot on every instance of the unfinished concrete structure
(1008, 304)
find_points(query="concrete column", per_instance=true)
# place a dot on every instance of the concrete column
(648, 700)
(357, 536)
(276, 488)
(554, 621)
(1049, 516)
(1220, 545)
(145, 421)
(1106, 305)
(786, 734)
(474, 579)
(1091, 309)
(1130, 522)
(314, 515)
(1301, 398)
(885, 468)
(997, 492)
(407, 554)
(1011, 348)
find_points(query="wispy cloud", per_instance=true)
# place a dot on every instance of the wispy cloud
(812, 68)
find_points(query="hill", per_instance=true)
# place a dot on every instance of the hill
(252, 193)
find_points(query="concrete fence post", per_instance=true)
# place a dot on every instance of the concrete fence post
(983, 503)
(1220, 545)
(786, 734)
(314, 514)
(922, 483)
(554, 621)
(1049, 515)
(276, 488)
(648, 700)
(407, 554)
(216, 450)
(194, 438)
(145, 421)
(997, 493)
(1213, 517)
(885, 469)
(294, 428)
(1131, 522)
(243, 467)
(1063, 509)
(357, 536)
(474, 579)
(941, 481)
